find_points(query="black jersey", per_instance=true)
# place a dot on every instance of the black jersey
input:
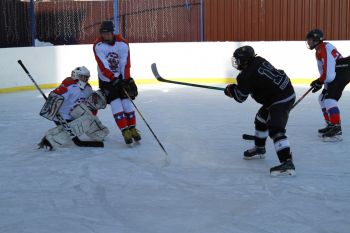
(264, 83)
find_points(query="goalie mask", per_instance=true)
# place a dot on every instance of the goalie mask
(82, 74)
(96, 100)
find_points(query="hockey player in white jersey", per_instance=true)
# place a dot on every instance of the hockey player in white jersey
(112, 55)
(77, 103)
(334, 76)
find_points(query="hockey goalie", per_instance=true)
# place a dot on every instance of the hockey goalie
(78, 104)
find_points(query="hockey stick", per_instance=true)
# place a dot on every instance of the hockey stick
(301, 98)
(160, 79)
(149, 127)
(61, 120)
(252, 137)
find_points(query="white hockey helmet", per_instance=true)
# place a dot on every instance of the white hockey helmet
(82, 74)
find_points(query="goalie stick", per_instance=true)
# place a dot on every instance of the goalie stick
(161, 79)
(61, 120)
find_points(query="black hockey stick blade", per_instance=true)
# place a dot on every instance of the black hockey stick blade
(80, 143)
(248, 137)
(161, 79)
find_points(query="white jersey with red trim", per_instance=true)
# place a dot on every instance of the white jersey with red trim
(73, 96)
(112, 60)
(327, 55)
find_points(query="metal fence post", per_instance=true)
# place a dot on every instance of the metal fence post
(201, 21)
(116, 19)
(32, 20)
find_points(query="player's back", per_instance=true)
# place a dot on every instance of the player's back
(266, 84)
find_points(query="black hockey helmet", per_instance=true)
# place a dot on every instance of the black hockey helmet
(107, 26)
(313, 38)
(242, 57)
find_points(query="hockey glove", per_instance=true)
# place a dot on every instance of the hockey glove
(316, 85)
(130, 87)
(229, 90)
(117, 82)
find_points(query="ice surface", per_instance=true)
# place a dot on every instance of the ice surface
(207, 188)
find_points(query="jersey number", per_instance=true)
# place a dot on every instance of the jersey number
(277, 76)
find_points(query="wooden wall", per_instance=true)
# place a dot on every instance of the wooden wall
(270, 20)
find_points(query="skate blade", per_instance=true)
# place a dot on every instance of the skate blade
(337, 138)
(286, 173)
(259, 156)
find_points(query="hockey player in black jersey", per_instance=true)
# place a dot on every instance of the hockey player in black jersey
(273, 89)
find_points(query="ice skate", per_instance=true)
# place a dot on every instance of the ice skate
(324, 130)
(255, 153)
(334, 134)
(135, 134)
(127, 136)
(285, 169)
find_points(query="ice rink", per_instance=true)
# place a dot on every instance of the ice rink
(207, 188)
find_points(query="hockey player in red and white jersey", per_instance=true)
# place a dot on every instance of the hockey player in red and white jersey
(112, 55)
(334, 75)
(77, 103)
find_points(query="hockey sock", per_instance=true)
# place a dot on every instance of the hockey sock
(121, 120)
(333, 111)
(325, 115)
(282, 148)
(131, 118)
(260, 138)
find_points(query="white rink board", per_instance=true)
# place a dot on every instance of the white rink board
(52, 64)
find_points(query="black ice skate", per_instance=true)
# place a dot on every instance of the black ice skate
(285, 169)
(333, 134)
(324, 130)
(255, 153)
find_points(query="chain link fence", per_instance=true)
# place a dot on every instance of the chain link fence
(70, 22)
(64, 22)
(159, 20)
(14, 24)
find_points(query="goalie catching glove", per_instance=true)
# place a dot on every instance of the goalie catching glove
(96, 101)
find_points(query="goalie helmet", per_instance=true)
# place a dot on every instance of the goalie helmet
(242, 57)
(82, 74)
(314, 38)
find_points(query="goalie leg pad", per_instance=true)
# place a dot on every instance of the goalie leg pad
(84, 122)
(97, 130)
(57, 136)
(87, 123)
